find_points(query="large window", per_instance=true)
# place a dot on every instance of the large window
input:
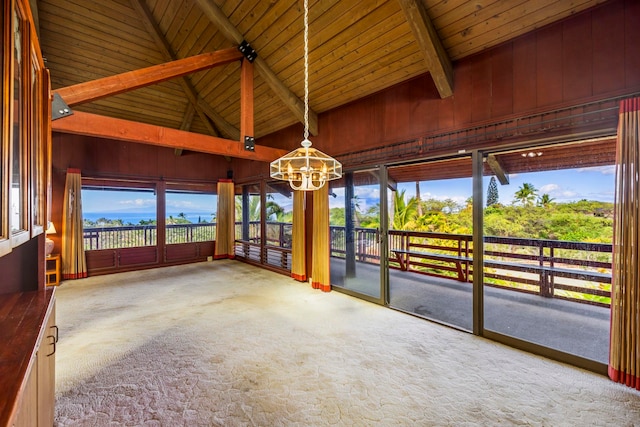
(190, 216)
(37, 161)
(278, 227)
(547, 247)
(4, 241)
(18, 182)
(248, 222)
(118, 217)
(354, 218)
(430, 234)
(22, 140)
(279, 211)
(147, 223)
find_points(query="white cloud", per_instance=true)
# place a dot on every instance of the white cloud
(548, 188)
(558, 192)
(568, 194)
(605, 196)
(367, 192)
(604, 170)
(137, 203)
(182, 204)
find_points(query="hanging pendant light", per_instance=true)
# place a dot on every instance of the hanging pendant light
(306, 168)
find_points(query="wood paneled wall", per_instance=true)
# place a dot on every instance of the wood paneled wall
(591, 56)
(97, 157)
(21, 269)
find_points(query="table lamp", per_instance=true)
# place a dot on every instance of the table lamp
(48, 244)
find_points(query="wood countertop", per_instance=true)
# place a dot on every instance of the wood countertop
(22, 320)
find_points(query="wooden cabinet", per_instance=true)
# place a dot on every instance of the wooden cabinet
(27, 413)
(46, 364)
(27, 372)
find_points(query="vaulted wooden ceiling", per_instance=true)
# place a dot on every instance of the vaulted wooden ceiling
(356, 48)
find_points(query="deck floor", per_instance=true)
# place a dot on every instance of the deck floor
(575, 328)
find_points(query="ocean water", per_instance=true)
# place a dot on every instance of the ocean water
(135, 217)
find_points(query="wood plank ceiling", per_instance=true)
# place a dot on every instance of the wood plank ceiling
(356, 48)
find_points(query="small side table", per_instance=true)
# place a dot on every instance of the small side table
(52, 270)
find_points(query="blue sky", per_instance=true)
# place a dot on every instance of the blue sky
(595, 183)
(108, 201)
(563, 186)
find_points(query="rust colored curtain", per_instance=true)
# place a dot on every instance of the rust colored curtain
(624, 351)
(320, 268)
(298, 239)
(74, 264)
(226, 220)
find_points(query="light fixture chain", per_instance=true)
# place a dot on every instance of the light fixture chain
(306, 169)
(306, 69)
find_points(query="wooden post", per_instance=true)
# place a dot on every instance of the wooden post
(246, 100)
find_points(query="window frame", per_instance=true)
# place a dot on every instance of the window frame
(5, 241)
(20, 235)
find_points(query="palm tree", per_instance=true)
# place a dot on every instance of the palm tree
(404, 212)
(357, 215)
(371, 218)
(254, 207)
(274, 210)
(545, 200)
(526, 194)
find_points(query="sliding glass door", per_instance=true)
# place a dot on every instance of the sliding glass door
(548, 227)
(356, 242)
(430, 233)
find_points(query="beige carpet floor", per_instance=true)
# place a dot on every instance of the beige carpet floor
(227, 344)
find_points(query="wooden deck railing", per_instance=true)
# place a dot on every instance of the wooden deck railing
(578, 271)
(97, 238)
(277, 249)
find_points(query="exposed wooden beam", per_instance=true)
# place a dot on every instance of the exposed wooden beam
(393, 186)
(124, 130)
(246, 100)
(281, 187)
(187, 119)
(438, 61)
(124, 82)
(169, 55)
(498, 169)
(295, 104)
(391, 183)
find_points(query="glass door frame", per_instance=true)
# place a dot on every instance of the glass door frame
(478, 158)
(426, 162)
(383, 293)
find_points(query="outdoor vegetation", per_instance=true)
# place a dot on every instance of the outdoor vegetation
(529, 215)
(181, 218)
(107, 233)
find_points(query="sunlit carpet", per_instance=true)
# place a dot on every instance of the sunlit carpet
(227, 344)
